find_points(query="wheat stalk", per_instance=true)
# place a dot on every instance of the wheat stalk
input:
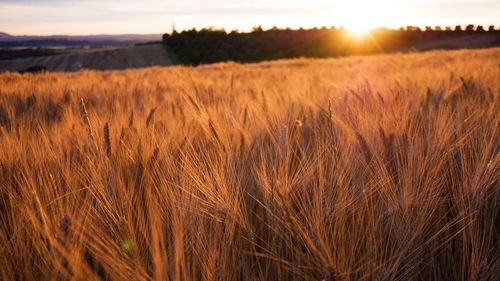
(214, 131)
(150, 116)
(131, 119)
(482, 271)
(107, 140)
(87, 119)
(364, 146)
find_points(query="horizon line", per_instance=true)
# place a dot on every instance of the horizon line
(246, 30)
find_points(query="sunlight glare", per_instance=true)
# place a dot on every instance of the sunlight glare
(359, 30)
(360, 16)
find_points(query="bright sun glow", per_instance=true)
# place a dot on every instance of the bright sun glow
(359, 16)
(359, 30)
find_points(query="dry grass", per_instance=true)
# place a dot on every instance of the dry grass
(364, 168)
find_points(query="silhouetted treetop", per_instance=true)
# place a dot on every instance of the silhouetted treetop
(194, 47)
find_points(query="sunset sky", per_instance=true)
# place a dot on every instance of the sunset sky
(79, 17)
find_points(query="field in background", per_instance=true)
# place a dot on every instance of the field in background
(205, 46)
(364, 168)
(105, 58)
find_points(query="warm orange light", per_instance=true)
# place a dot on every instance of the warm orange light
(360, 16)
(359, 30)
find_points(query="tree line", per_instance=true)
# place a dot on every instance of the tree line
(194, 47)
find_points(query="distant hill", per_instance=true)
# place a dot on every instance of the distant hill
(7, 40)
(102, 59)
(5, 36)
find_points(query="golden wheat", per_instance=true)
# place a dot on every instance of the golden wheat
(364, 168)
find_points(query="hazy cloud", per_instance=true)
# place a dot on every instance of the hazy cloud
(150, 16)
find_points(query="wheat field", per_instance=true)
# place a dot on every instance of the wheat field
(365, 168)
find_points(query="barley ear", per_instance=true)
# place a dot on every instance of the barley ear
(150, 116)
(107, 140)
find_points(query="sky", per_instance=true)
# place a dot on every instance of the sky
(85, 17)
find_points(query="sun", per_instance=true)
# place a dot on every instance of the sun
(359, 30)
(360, 16)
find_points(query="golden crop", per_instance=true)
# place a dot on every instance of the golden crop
(365, 168)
